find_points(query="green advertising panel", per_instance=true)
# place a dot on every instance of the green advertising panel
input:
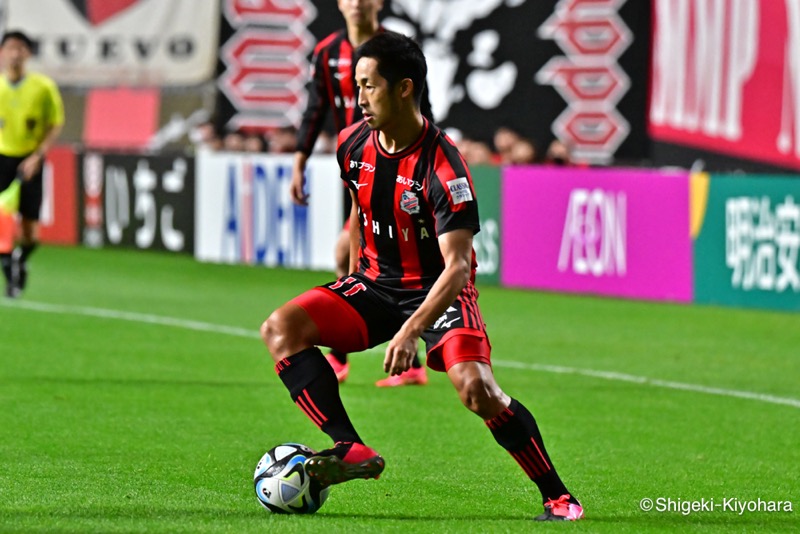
(487, 242)
(747, 238)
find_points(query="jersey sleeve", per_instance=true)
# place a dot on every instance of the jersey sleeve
(451, 192)
(54, 112)
(318, 105)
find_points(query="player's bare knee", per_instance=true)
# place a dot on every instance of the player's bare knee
(480, 397)
(274, 333)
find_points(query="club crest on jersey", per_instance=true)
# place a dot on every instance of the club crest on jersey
(409, 202)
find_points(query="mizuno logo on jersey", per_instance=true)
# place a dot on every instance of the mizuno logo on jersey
(358, 185)
(442, 321)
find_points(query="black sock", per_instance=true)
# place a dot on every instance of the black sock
(27, 250)
(516, 431)
(313, 387)
(340, 357)
(415, 363)
(5, 259)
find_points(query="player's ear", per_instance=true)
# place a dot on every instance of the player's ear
(406, 88)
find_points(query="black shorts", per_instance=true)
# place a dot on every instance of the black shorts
(30, 198)
(354, 313)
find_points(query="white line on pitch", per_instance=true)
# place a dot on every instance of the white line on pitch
(609, 375)
(253, 334)
(133, 317)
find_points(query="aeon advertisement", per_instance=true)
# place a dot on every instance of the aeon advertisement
(614, 232)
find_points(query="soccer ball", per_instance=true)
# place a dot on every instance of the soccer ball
(282, 485)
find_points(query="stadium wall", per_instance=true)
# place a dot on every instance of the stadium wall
(244, 213)
(670, 235)
(746, 233)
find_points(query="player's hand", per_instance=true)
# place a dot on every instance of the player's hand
(297, 187)
(30, 166)
(400, 353)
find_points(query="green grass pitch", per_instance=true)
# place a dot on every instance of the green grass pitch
(136, 396)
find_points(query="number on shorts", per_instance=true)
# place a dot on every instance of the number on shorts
(352, 282)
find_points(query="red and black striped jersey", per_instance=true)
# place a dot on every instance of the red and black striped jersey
(405, 201)
(332, 86)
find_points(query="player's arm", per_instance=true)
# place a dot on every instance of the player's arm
(310, 127)
(456, 247)
(298, 185)
(355, 234)
(33, 163)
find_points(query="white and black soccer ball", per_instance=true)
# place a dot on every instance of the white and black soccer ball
(282, 485)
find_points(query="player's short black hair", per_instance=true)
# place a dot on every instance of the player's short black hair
(398, 57)
(18, 35)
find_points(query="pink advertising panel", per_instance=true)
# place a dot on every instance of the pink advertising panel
(615, 232)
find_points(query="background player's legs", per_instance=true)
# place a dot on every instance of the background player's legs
(338, 360)
(511, 424)
(11, 284)
(28, 243)
(342, 253)
(8, 225)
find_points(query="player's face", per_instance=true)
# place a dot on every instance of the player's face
(360, 12)
(14, 54)
(378, 101)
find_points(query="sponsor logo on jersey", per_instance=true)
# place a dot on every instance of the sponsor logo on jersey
(409, 202)
(402, 180)
(369, 167)
(339, 62)
(378, 228)
(459, 190)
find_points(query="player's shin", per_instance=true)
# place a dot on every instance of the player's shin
(314, 388)
(516, 430)
(5, 259)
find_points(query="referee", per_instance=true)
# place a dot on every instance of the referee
(31, 118)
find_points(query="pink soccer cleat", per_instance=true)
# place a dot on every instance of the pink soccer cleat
(341, 369)
(411, 377)
(561, 509)
(343, 462)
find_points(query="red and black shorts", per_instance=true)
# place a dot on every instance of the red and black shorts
(30, 196)
(354, 313)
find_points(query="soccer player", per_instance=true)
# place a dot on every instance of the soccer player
(31, 118)
(332, 88)
(412, 224)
